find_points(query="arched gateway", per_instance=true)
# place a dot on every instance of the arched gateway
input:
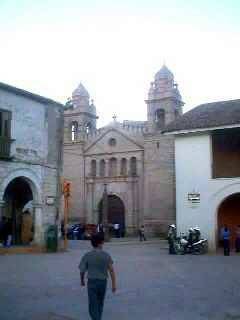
(17, 194)
(116, 212)
(229, 214)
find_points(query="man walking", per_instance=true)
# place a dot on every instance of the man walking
(97, 263)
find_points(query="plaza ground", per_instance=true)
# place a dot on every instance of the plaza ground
(152, 285)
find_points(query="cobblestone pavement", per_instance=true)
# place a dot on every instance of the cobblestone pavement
(151, 285)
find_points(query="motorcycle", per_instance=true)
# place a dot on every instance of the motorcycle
(76, 232)
(182, 245)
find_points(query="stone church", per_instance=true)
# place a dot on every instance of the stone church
(133, 160)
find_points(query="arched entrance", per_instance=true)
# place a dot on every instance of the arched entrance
(16, 195)
(116, 212)
(229, 214)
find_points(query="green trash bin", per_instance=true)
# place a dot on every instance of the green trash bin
(52, 238)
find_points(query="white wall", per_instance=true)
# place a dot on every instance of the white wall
(193, 174)
(28, 126)
(35, 128)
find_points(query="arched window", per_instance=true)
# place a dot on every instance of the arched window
(123, 167)
(74, 130)
(112, 167)
(93, 168)
(133, 166)
(102, 168)
(160, 118)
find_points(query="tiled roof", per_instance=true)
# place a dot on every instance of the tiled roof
(28, 94)
(209, 115)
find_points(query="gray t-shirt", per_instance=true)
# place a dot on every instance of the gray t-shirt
(96, 263)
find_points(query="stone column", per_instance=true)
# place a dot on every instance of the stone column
(2, 205)
(134, 202)
(38, 225)
(90, 200)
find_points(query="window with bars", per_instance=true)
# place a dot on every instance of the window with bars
(5, 133)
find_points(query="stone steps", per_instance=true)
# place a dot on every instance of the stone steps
(135, 241)
(21, 250)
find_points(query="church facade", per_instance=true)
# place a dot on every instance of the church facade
(132, 160)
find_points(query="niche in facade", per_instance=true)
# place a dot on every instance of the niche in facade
(133, 166)
(160, 118)
(102, 172)
(74, 130)
(112, 167)
(123, 167)
(93, 168)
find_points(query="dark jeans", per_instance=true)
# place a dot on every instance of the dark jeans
(96, 295)
(171, 247)
(226, 247)
(142, 236)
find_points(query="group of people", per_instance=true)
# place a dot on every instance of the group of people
(116, 229)
(6, 231)
(225, 236)
(98, 263)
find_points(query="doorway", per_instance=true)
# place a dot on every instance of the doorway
(116, 212)
(16, 195)
(229, 214)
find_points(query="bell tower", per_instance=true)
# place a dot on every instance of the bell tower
(85, 112)
(164, 103)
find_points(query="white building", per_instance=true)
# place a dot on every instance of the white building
(31, 137)
(207, 162)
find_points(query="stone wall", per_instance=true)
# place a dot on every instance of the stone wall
(159, 182)
(36, 151)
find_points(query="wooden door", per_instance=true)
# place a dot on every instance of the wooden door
(229, 214)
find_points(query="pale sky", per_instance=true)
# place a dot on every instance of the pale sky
(115, 48)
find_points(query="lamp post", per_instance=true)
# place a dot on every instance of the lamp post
(105, 214)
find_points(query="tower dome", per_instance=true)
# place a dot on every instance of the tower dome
(164, 73)
(164, 100)
(80, 91)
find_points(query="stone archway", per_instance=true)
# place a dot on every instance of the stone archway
(16, 195)
(229, 214)
(116, 212)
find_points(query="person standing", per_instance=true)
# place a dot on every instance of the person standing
(225, 235)
(7, 232)
(97, 263)
(237, 241)
(171, 238)
(116, 228)
(142, 233)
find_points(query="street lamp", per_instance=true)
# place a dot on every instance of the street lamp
(105, 214)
